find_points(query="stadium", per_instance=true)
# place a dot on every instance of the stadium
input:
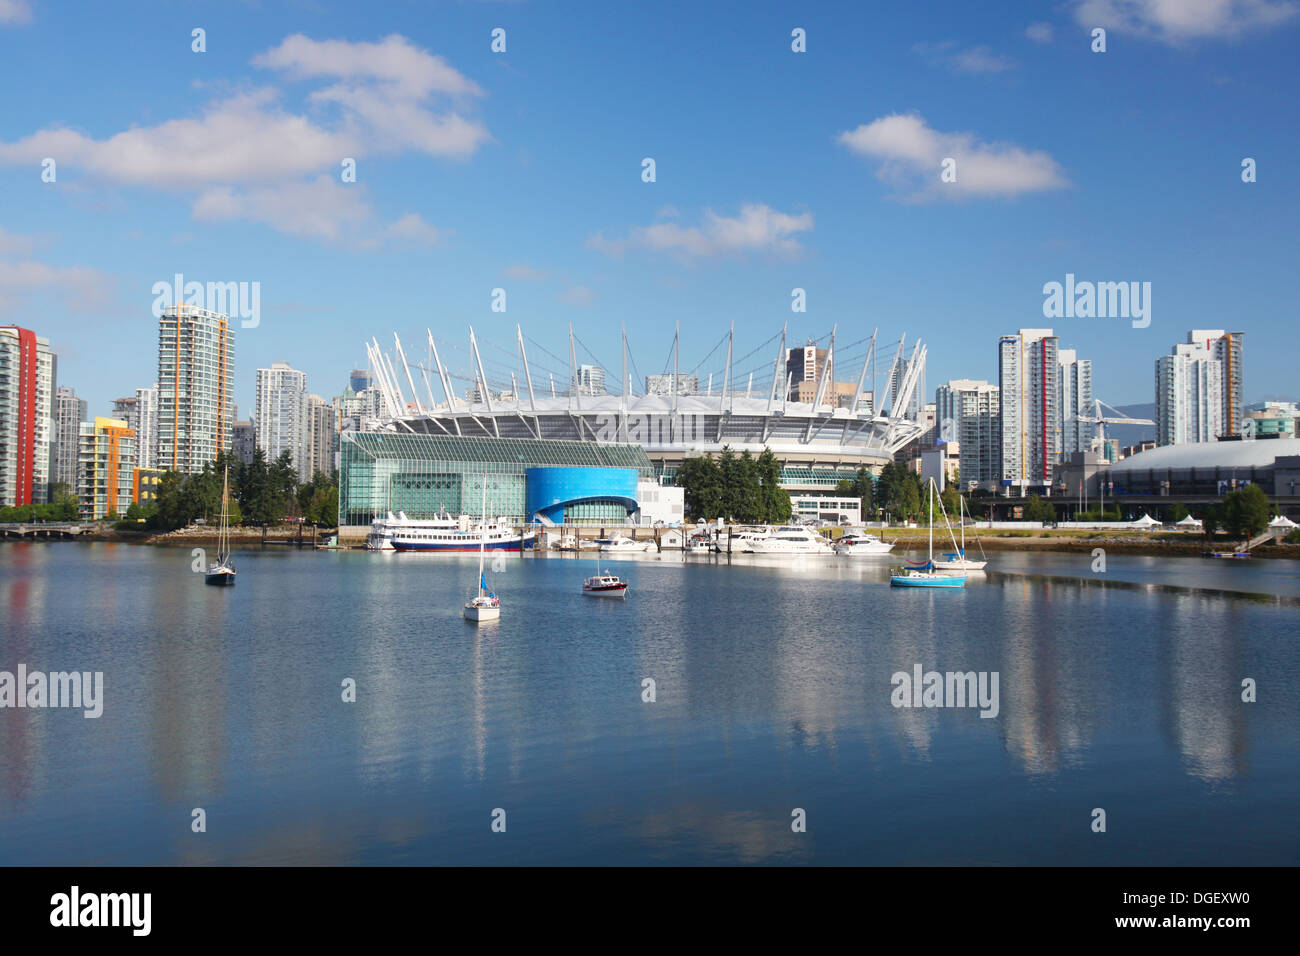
(445, 433)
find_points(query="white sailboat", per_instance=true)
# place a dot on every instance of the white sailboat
(959, 561)
(926, 576)
(484, 606)
(222, 571)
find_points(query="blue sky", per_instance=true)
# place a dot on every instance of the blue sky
(522, 170)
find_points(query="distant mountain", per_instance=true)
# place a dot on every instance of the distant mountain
(1132, 434)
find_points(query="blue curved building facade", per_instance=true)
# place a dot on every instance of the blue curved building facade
(575, 495)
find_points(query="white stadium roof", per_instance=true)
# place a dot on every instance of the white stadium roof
(1258, 453)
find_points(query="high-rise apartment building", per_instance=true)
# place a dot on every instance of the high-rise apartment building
(27, 383)
(106, 468)
(196, 404)
(590, 380)
(282, 417)
(968, 412)
(243, 441)
(1029, 382)
(145, 425)
(1229, 348)
(323, 435)
(1189, 395)
(69, 412)
(663, 384)
(1075, 403)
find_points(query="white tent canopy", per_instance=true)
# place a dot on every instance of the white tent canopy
(1282, 521)
(1146, 521)
(1189, 522)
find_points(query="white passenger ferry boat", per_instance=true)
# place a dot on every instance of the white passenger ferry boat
(461, 536)
(380, 536)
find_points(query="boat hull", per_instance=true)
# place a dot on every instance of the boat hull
(465, 547)
(928, 581)
(477, 614)
(611, 592)
(961, 565)
(220, 579)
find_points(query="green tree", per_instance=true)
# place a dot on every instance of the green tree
(776, 500)
(700, 479)
(1245, 512)
(865, 488)
(1177, 513)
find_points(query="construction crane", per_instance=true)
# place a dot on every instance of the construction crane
(1101, 421)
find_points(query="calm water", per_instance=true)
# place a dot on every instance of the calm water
(773, 687)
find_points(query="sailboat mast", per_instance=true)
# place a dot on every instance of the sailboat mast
(931, 515)
(482, 538)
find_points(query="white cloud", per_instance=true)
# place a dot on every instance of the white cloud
(577, 295)
(909, 155)
(1039, 32)
(413, 228)
(389, 98)
(758, 229)
(1177, 21)
(15, 12)
(320, 209)
(975, 59)
(525, 273)
(82, 289)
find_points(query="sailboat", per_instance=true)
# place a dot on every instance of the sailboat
(222, 572)
(604, 585)
(959, 561)
(926, 576)
(485, 606)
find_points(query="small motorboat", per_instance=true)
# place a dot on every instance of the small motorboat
(605, 585)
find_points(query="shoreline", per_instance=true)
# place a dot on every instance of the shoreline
(905, 539)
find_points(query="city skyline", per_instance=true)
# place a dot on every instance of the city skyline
(489, 186)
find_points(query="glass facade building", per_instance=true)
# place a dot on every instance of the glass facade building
(425, 475)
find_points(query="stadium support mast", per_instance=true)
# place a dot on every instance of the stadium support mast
(622, 386)
(574, 397)
(893, 393)
(528, 377)
(415, 395)
(442, 374)
(827, 368)
(726, 373)
(776, 370)
(862, 379)
(486, 393)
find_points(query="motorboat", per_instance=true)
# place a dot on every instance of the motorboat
(620, 545)
(605, 585)
(792, 539)
(852, 543)
(742, 540)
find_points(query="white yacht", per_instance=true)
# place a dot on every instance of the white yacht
(792, 539)
(742, 540)
(854, 543)
(620, 544)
